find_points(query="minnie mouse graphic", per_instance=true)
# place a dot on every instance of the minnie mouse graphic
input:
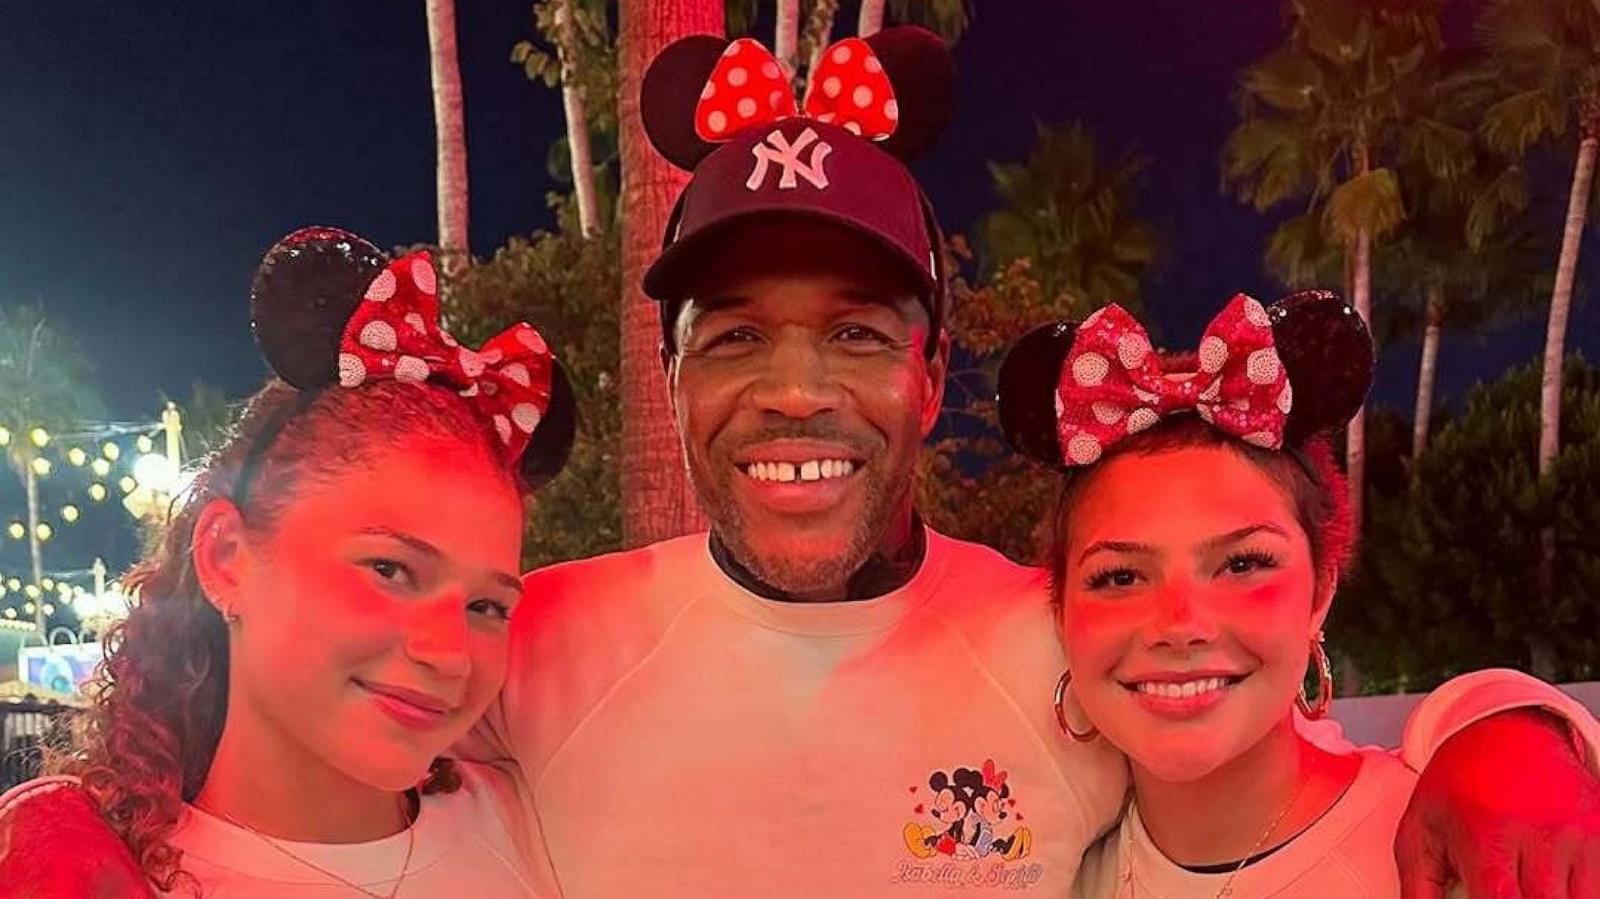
(972, 808)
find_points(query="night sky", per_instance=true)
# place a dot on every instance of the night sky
(150, 153)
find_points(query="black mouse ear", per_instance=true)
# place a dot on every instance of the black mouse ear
(923, 75)
(1027, 386)
(551, 443)
(1328, 356)
(670, 93)
(303, 294)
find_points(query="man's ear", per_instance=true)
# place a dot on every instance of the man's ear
(221, 552)
(933, 396)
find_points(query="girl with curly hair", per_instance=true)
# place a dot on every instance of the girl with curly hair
(328, 610)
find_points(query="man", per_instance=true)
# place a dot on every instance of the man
(822, 696)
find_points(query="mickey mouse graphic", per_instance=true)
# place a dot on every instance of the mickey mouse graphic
(970, 807)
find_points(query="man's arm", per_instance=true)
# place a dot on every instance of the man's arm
(1509, 799)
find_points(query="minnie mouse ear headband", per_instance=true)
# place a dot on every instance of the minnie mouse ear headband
(1271, 377)
(330, 310)
(727, 113)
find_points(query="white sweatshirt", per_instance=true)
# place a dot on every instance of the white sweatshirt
(682, 738)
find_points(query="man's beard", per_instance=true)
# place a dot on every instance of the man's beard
(824, 574)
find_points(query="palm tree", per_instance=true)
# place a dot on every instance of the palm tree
(44, 388)
(1546, 56)
(1069, 216)
(657, 500)
(1319, 118)
(450, 134)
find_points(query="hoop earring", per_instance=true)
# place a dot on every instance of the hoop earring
(1087, 736)
(1319, 660)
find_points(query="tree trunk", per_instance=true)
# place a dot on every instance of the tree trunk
(786, 40)
(450, 135)
(1542, 657)
(657, 501)
(1356, 435)
(577, 123)
(32, 484)
(1428, 372)
(871, 21)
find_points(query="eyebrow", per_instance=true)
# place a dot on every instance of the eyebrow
(1211, 545)
(509, 581)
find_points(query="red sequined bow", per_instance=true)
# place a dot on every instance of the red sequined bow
(1112, 384)
(748, 88)
(395, 333)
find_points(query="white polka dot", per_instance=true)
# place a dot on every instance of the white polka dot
(517, 372)
(529, 337)
(709, 91)
(1256, 315)
(472, 389)
(422, 275)
(382, 287)
(414, 319)
(841, 54)
(1213, 354)
(1263, 367)
(471, 363)
(1141, 419)
(351, 371)
(410, 368)
(862, 96)
(1083, 449)
(1146, 396)
(1264, 439)
(1094, 317)
(872, 65)
(1285, 398)
(775, 100)
(378, 335)
(717, 121)
(1132, 350)
(734, 48)
(1090, 369)
(747, 108)
(853, 128)
(771, 70)
(526, 415)
(831, 85)
(1107, 413)
(1205, 412)
(891, 110)
(737, 76)
(502, 426)
(1212, 392)
(492, 357)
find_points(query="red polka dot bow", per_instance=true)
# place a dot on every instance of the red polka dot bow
(749, 87)
(1112, 384)
(395, 333)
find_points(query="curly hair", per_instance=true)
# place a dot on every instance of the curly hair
(159, 700)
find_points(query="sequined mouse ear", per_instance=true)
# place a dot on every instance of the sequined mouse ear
(305, 291)
(1027, 391)
(1328, 356)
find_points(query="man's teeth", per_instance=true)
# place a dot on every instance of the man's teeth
(1183, 690)
(813, 470)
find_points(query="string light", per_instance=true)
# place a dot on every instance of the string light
(101, 467)
(5, 436)
(77, 456)
(144, 443)
(14, 584)
(41, 466)
(49, 609)
(32, 592)
(17, 531)
(97, 492)
(69, 514)
(48, 583)
(111, 451)
(128, 484)
(40, 437)
(29, 608)
(11, 613)
(44, 532)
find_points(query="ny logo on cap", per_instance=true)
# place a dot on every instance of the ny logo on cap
(778, 149)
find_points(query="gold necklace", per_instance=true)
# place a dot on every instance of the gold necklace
(1227, 885)
(411, 843)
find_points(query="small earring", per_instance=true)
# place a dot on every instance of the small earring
(1087, 736)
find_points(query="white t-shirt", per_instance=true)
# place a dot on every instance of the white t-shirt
(465, 845)
(679, 737)
(1348, 852)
